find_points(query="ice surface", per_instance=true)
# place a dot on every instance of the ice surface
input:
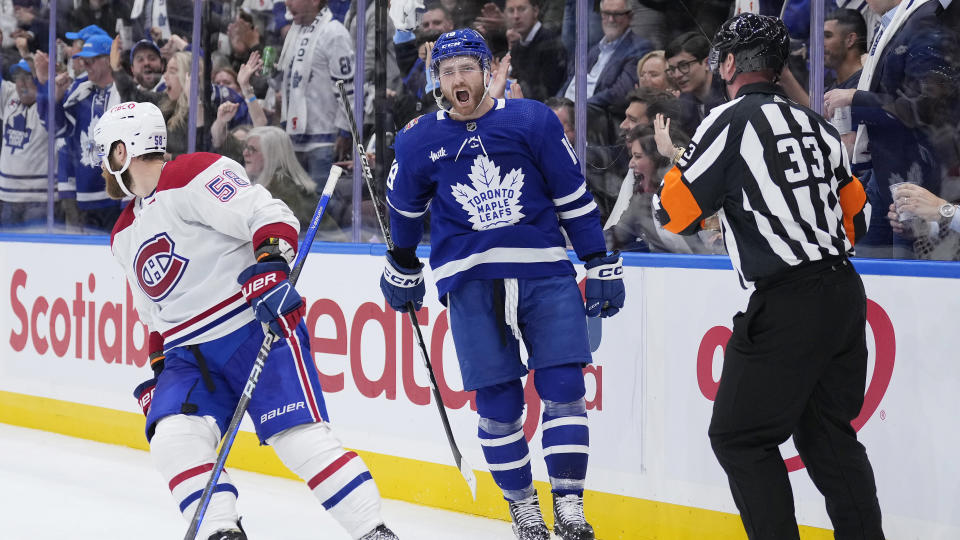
(55, 487)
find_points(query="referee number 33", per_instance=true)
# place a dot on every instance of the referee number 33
(805, 158)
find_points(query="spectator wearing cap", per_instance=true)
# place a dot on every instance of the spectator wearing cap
(132, 88)
(700, 90)
(146, 66)
(75, 65)
(23, 152)
(317, 53)
(86, 32)
(537, 57)
(613, 60)
(76, 117)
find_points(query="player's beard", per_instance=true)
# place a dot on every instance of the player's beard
(474, 92)
(113, 189)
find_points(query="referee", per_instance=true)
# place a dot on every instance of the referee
(790, 212)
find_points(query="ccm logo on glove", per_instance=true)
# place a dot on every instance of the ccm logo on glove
(605, 272)
(402, 280)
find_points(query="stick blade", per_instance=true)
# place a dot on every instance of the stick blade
(467, 472)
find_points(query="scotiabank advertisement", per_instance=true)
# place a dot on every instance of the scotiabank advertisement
(68, 331)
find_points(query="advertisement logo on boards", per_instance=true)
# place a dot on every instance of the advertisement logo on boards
(885, 347)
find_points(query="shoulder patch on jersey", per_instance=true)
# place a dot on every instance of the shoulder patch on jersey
(124, 221)
(412, 123)
(181, 171)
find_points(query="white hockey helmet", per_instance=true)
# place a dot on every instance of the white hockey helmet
(139, 126)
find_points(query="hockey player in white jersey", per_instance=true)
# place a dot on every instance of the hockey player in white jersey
(198, 243)
(499, 178)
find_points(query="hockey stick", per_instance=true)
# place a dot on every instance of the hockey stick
(265, 347)
(465, 470)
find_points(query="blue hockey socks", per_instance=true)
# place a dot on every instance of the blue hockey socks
(501, 437)
(566, 445)
(566, 437)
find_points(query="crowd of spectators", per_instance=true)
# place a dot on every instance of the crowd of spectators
(268, 71)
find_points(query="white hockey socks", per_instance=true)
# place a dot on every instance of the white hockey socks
(337, 477)
(184, 449)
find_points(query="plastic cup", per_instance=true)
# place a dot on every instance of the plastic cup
(842, 120)
(904, 215)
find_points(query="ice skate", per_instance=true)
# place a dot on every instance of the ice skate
(569, 521)
(380, 533)
(228, 534)
(527, 520)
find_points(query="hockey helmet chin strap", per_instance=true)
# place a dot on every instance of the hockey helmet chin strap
(438, 95)
(116, 174)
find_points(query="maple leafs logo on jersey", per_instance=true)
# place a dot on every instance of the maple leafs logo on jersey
(89, 155)
(17, 134)
(491, 201)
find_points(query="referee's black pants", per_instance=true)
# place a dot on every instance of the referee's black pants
(796, 365)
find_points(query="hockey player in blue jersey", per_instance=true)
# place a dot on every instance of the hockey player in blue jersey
(499, 178)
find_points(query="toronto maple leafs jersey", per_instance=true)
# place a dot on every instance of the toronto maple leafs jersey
(183, 246)
(314, 57)
(498, 188)
(77, 116)
(23, 156)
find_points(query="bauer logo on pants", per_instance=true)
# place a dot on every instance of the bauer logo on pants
(157, 267)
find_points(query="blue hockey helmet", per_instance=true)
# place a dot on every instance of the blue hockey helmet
(462, 42)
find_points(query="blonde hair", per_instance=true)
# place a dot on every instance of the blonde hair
(278, 155)
(180, 109)
(662, 56)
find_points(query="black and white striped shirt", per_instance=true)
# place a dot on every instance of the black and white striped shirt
(780, 177)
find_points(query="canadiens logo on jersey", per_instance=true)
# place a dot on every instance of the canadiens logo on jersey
(491, 201)
(157, 267)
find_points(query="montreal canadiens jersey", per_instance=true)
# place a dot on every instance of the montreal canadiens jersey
(183, 246)
(23, 156)
(498, 189)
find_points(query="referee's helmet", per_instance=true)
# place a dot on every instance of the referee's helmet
(757, 42)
